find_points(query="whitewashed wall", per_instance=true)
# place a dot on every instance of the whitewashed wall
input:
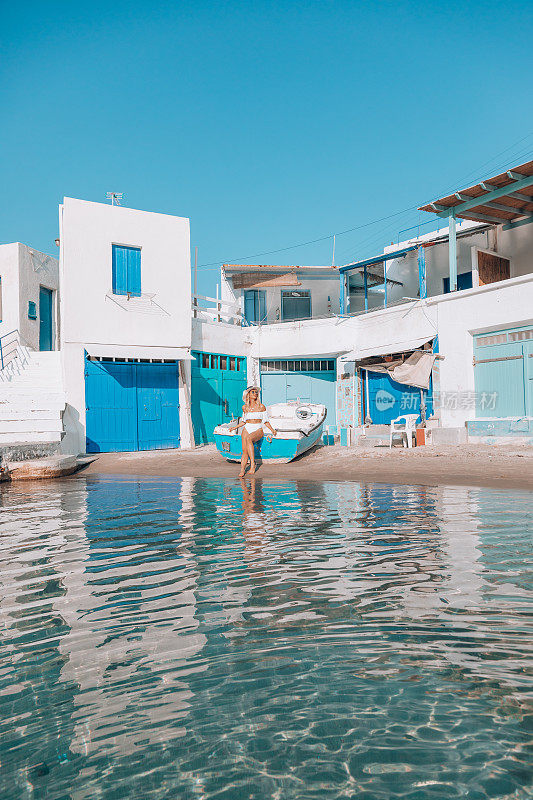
(23, 270)
(155, 325)
(9, 273)
(477, 310)
(324, 295)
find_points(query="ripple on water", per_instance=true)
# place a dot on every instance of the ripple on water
(199, 639)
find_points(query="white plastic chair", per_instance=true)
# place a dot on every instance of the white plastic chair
(407, 428)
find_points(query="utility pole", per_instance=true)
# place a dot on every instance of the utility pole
(195, 293)
(333, 258)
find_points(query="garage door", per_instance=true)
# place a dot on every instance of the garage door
(386, 399)
(306, 380)
(131, 405)
(217, 384)
(503, 373)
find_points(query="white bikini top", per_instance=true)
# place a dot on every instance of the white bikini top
(261, 415)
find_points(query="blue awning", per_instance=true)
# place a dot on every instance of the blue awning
(377, 259)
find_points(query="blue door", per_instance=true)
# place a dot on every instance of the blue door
(158, 406)
(388, 399)
(131, 406)
(306, 381)
(45, 318)
(217, 384)
(503, 373)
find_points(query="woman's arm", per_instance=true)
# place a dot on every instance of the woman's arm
(268, 425)
(237, 426)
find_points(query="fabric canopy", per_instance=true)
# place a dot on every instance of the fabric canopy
(414, 371)
(397, 347)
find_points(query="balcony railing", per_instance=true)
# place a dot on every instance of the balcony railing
(216, 310)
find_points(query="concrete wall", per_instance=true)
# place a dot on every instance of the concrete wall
(23, 270)
(515, 244)
(9, 274)
(90, 312)
(478, 310)
(155, 325)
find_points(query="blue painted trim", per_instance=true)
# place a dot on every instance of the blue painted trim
(378, 259)
(342, 289)
(452, 252)
(517, 224)
(365, 278)
(474, 202)
(422, 283)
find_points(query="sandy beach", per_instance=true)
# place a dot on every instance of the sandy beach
(480, 465)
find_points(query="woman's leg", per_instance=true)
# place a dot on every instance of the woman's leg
(244, 458)
(253, 437)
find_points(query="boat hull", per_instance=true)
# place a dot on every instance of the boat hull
(283, 448)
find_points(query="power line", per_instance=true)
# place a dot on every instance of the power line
(216, 264)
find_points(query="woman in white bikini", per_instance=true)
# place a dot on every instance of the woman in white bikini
(253, 422)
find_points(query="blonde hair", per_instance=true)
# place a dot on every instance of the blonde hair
(248, 393)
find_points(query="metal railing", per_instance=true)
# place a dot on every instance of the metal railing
(11, 348)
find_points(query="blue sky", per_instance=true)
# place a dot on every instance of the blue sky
(267, 123)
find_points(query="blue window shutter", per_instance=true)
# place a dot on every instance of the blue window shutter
(126, 270)
(134, 271)
(249, 307)
(262, 305)
(120, 270)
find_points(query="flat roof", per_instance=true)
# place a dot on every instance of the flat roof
(503, 198)
(276, 268)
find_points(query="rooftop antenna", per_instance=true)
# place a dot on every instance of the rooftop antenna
(115, 197)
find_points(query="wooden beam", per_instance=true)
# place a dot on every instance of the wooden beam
(253, 280)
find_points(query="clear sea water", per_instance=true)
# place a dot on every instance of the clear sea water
(185, 639)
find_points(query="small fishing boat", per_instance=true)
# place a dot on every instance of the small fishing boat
(298, 426)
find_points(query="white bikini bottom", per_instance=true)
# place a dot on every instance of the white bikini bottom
(252, 427)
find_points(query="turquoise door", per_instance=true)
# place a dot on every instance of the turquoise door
(131, 406)
(217, 384)
(503, 373)
(45, 318)
(306, 381)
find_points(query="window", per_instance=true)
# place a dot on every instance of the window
(464, 281)
(521, 336)
(295, 305)
(32, 310)
(295, 365)
(254, 306)
(488, 341)
(127, 270)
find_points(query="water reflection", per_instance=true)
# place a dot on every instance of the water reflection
(184, 637)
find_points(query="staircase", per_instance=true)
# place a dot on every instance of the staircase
(32, 402)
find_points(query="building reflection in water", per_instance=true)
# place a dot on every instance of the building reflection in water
(136, 592)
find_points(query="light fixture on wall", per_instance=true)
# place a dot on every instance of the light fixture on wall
(57, 241)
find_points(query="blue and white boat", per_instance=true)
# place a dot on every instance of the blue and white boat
(298, 426)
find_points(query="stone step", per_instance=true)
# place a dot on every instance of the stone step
(30, 397)
(31, 426)
(16, 412)
(22, 451)
(45, 436)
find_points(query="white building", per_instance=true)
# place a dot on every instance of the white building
(440, 325)
(125, 327)
(29, 282)
(440, 293)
